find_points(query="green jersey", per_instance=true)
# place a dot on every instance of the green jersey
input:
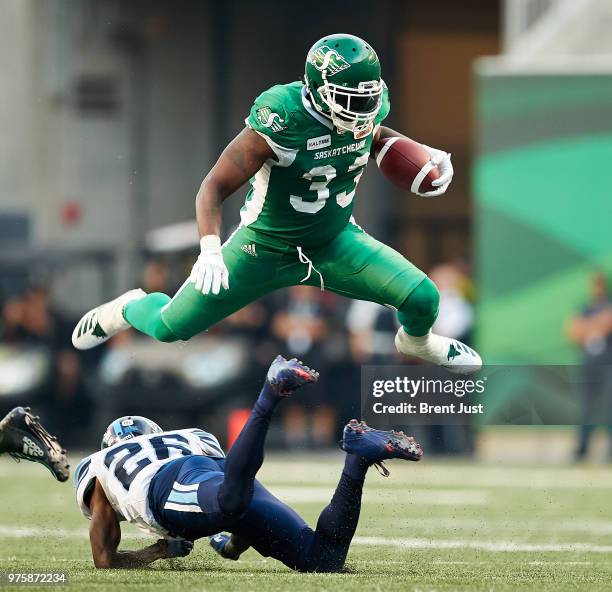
(305, 196)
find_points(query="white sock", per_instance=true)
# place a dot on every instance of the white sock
(420, 343)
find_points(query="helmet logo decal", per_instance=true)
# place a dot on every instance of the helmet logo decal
(108, 438)
(268, 118)
(328, 60)
(127, 428)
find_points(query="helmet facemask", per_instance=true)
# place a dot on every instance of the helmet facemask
(352, 109)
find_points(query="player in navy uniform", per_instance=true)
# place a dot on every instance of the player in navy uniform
(180, 486)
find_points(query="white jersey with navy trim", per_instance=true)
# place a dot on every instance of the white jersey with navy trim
(126, 469)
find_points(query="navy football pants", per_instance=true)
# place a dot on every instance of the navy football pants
(199, 496)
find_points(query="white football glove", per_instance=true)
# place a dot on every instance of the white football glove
(442, 160)
(209, 272)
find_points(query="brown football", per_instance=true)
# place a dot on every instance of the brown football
(406, 164)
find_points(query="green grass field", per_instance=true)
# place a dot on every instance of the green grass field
(429, 527)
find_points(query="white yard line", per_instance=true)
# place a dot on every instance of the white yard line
(18, 532)
(492, 546)
(442, 562)
(497, 525)
(402, 543)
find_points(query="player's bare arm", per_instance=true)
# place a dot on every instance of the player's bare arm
(105, 536)
(382, 133)
(242, 158)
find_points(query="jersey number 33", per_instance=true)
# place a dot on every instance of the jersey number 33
(321, 187)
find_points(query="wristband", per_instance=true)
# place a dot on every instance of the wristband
(210, 242)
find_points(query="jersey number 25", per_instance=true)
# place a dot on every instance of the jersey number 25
(161, 448)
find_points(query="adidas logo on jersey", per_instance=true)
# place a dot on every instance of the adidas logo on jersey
(249, 250)
(30, 448)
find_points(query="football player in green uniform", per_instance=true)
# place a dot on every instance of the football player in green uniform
(304, 149)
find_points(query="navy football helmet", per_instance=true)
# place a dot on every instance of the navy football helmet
(127, 427)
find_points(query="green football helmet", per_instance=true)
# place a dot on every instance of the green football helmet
(344, 84)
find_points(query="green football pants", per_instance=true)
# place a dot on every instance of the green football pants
(353, 264)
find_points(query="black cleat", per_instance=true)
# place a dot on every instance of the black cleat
(375, 446)
(286, 376)
(24, 437)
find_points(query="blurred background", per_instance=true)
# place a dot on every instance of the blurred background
(112, 112)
